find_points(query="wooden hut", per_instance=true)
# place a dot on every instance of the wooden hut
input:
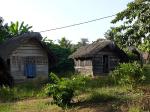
(27, 57)
(98, 58)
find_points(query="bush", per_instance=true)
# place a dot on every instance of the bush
(64, 89)
(53, 78)
(128, 73)
(7, 94)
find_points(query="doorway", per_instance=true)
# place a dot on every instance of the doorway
(105, 64)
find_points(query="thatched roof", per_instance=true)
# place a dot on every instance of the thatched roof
(90, 50)
(8, 46)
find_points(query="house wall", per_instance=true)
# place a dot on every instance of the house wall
(113, 60)
(95, 65)
(84, 66)
(28, 52)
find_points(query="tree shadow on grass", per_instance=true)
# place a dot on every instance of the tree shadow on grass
(18, 92)
(97, 100)
(99, 82)
(146, 70)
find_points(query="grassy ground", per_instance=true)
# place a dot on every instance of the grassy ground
(99, 95)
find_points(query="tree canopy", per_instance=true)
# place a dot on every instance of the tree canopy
(135, 27)
(64, 43)
(145, 46)
(61, 50)
(16, 29)
(12, 30)
(4, 34)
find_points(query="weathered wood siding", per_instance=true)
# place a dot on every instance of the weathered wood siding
(28, 51)
(98, 61)
(97, 65)
(84, 67)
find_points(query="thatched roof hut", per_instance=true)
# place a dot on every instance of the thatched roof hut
(90, 50)
(11, 44)
(27, 56)
(99, 57)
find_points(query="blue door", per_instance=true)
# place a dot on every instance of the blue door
(30, 70)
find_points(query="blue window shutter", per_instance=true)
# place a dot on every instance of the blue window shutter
(30, 70)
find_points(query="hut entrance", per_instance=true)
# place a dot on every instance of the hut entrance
(105, 63)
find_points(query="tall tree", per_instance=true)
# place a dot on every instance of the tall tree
(64, 43)
(136, 23)
(62, 50)
(4, 34)
(116, 36)
(110, 34)
(82, 42)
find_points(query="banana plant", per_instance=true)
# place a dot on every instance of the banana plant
(16, 29)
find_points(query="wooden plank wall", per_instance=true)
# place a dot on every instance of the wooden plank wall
(98, 62)
(84, 67)
(28, 49)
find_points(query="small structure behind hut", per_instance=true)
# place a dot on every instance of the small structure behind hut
(98, 58)
(27, 57)
(146, 57)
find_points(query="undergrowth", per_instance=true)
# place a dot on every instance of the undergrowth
(99, 92)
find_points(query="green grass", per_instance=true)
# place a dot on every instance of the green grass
(147, 74)
(37, 105)
(20, 92)
(135, 109)
(99, 95)
(6, 107)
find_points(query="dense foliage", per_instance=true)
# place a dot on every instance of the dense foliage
(63, 90)
(4, 34)
(63, 64)
(145, 46)
(7, 94)
(128, 73)
(135, 24)
(16, 29)
(12, 30)
(62, 50)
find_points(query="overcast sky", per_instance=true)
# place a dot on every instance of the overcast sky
(48, 14)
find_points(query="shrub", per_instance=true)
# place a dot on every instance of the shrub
(128, 73)
(7, 94)
(64, 89)
(53, 78)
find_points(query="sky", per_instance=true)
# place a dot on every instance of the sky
(48, 14)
